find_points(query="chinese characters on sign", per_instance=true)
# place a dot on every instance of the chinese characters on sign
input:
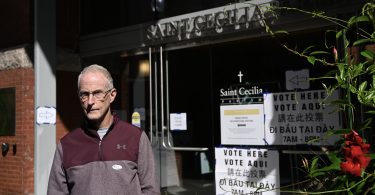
(300, 118)
(287, 118)
(246, 171)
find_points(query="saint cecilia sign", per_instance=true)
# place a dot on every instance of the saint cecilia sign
(234, 17)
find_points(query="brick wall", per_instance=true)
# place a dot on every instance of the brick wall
(17, 171)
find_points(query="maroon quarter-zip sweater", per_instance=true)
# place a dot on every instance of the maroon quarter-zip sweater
(122, 163)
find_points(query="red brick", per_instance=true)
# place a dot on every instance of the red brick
(16, 171)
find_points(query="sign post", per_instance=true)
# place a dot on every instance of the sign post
(45, 91)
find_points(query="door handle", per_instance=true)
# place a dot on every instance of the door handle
(152, 140)
(167, 144)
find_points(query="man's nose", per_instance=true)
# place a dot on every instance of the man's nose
(91, 99)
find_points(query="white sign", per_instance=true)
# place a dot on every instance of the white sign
(46, 115)
(300, 118)
(242, 124)
(297, 79)
(246, 171)
(178, 121)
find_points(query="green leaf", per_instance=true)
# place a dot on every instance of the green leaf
(366, 124)
(359, 187)
(332, 156)
(371, 69)
(319, 52)
(363, 41)
(317, 174)
(352, 88)
(282, 32)
(311, 59)
(370, 96)
(307, 49)
(363, 86)
(355, 19)
(357, 70)
(342, 69)
(372, 155)
(334, 166)
(368, 54)
(339, 34)
(314, 163)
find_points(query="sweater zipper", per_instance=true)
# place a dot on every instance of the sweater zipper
(100, 150)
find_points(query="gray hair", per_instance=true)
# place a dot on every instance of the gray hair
(97, 68)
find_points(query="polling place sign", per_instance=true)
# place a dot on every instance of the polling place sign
(242, 124)
(241, 171)
(305, 117)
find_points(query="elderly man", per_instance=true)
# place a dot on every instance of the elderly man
(105, 155)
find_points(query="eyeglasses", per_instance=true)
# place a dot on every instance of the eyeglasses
(98, 94)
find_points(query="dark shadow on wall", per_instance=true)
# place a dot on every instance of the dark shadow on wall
(67, 102)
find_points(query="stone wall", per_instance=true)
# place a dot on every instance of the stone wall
(15, 58)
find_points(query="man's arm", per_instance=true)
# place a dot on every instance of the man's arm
(57, 184)
(146, 167)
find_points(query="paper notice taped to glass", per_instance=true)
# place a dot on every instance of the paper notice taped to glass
(178, 121)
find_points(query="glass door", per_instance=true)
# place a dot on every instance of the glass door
(169, 94)
(181, 120)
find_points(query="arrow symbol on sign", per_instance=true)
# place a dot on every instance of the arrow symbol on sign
(45, 115)
(296, 80)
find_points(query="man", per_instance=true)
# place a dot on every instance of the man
(105, 156)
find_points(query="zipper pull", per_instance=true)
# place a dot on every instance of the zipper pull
(100, 150)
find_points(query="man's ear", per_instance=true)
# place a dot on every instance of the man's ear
(113, 94)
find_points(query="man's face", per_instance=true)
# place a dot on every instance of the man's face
(92, 86)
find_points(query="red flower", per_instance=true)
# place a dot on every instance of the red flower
(350, 167)
(353, 138)
(346, 151)
(365, 148)
(364, 161)
(354, 151)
